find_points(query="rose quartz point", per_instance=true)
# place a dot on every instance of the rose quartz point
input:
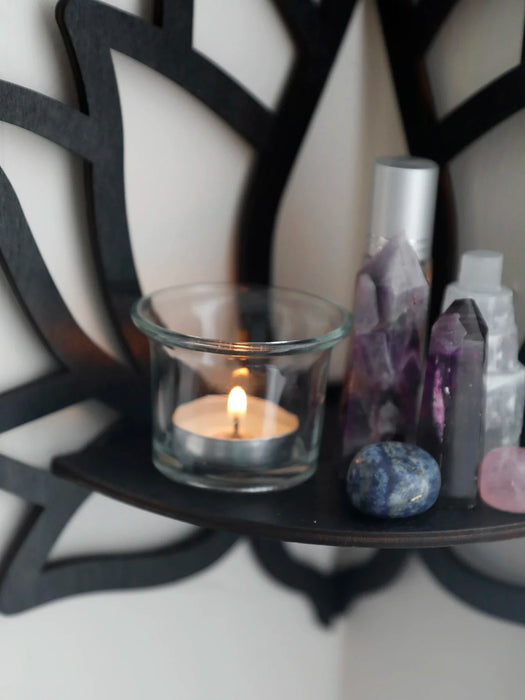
(501, 479)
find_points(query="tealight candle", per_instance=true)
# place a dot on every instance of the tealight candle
(234, 431)
(238, 382)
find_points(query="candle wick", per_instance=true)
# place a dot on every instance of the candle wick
(236, 422)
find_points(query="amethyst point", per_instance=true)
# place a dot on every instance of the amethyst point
(385, 362)
(451, 419)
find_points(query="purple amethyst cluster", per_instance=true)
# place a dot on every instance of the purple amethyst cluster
(381, 388)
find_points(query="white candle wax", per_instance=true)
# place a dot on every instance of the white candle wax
(208, 417)
(204, 431)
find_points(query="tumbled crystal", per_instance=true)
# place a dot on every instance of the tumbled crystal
(385, 361)
(393, 480)
(502, 479)
(451, 418)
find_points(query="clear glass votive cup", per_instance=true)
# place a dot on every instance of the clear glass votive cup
(238, 379)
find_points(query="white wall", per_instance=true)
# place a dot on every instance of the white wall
(231, 632)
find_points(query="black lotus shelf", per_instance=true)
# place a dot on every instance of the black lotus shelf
(119, 464)
(317, 512)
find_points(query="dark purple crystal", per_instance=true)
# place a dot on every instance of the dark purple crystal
(381, 388)
(451, 419)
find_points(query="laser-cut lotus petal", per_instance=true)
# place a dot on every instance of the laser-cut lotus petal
(90, 30)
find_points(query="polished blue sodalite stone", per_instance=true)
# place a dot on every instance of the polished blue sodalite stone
(393, 480)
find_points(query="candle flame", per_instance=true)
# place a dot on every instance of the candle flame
(237, 402)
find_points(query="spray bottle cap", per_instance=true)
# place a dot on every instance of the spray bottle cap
(403, 203)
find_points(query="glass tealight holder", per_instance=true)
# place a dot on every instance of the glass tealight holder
(238, 382)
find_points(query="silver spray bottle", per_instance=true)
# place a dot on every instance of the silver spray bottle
(381, 387)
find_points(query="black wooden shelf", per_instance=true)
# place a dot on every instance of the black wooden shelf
(119, 464)
(316, 512)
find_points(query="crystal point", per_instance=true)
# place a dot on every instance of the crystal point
(480, 278)
(385, 362)
(451, 419)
